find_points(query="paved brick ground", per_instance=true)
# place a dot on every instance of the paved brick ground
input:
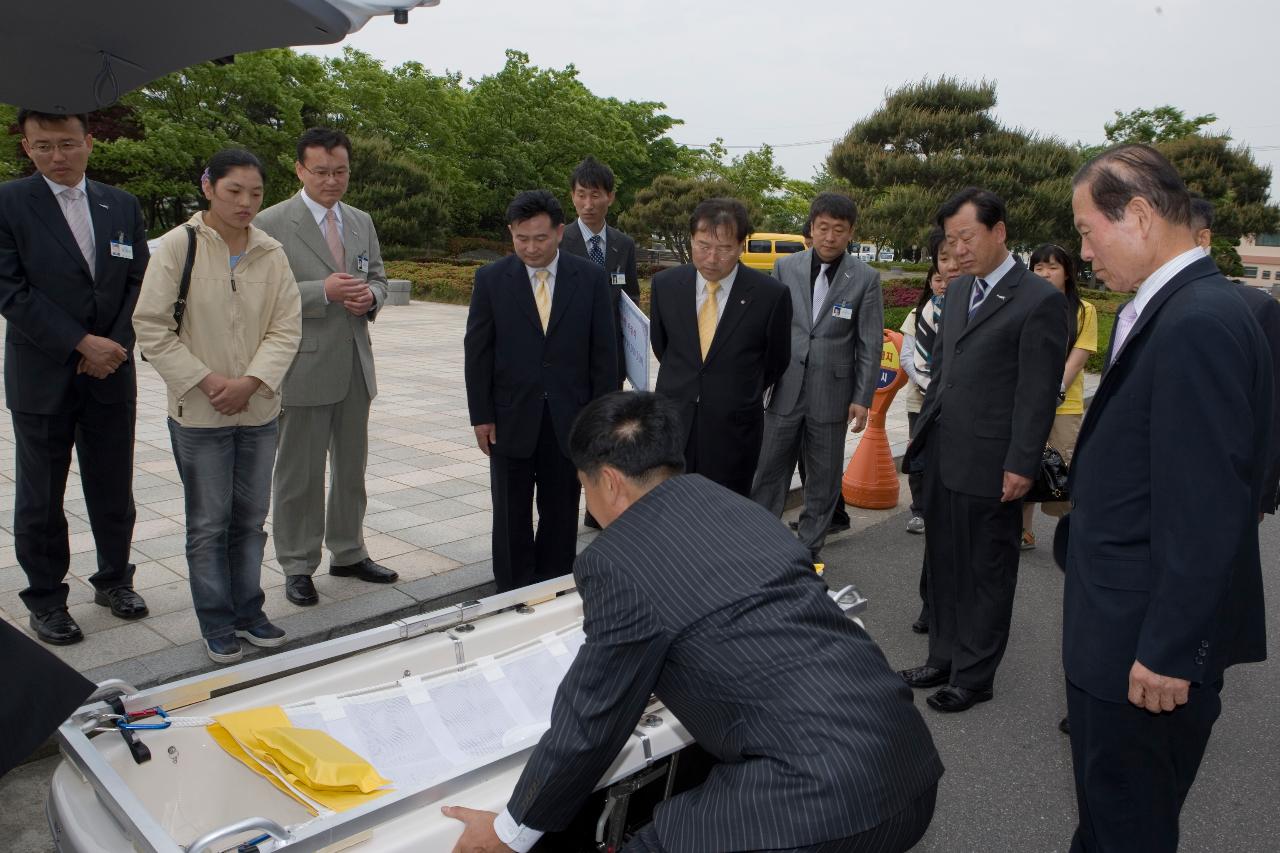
(428, 515)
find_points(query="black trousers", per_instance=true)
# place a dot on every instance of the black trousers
(102, 435)
(899, 833)
(519, 556)
(971, 556)
(915, 482)
(700, 458)
(1133, 768)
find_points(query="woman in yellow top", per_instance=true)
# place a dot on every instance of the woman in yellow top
(223, 369)
(1052, 263)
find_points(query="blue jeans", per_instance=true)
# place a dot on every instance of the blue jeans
(226, 480)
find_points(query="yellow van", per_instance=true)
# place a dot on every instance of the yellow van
(763, 249)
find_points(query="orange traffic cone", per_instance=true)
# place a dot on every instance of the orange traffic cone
(871, 480)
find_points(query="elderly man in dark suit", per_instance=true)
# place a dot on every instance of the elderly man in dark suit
(722, 335)
(979, 441)
(1163, 585)
(72, 255)
(837, 317)
(700, 596)
(540, 344)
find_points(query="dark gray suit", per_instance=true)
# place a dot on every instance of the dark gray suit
(988, 410)
(619, 259)
(698, 595)
(834, 362)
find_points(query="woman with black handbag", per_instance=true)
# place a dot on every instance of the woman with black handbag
(1052, 263)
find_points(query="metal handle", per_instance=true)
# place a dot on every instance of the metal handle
(249, 824)
(111, 687)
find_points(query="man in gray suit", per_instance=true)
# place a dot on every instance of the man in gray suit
(837, 317)
(694, 593)
(333, 250)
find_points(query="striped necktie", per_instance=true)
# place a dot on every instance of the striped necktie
(979, 293)
(73, 207)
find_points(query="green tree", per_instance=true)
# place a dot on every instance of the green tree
(662, 209)
(930, 139)
(1229, 177)
(1159, 124)
(528, 127)
(409, 203)
(263, 101)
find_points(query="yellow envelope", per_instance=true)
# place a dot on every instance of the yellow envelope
(236, 732)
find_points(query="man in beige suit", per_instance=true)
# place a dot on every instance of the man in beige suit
(333, 250)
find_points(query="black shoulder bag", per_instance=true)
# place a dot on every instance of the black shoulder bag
(184, 284)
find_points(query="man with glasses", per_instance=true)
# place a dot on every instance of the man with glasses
(721, 332)
(72, 255)
(334, 253)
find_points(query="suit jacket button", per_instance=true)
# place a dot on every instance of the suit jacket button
(546, 364)
(811, 337)
(545, 395)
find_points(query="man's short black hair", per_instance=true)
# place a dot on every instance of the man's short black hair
(530, 203)
(835, 205)
(1119, 175)
(637, 432)
(1201, 213)
(990, 207)
(38, 117)
(591, 174)
(716, 213)
(327, 138)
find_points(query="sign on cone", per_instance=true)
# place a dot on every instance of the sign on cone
(871, 480)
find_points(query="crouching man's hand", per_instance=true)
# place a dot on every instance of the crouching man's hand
(478, 835)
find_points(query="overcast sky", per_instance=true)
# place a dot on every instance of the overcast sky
(784, 73)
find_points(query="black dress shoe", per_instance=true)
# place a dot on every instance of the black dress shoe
(56, 627)
(952, 700)
(921, 625)
(366, 570)
(925, 676)
(1064, 725)
(839, 523)
(300, 590)
(123, 601)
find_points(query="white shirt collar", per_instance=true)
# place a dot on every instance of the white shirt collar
(59, 189)
(318, 210)
(999, 272)
(587, 233)
(551, 268)
(725, 283)
(1158, 279)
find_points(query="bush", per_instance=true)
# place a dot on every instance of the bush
(437, 282)
(459, 245)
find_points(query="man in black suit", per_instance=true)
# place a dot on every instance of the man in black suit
(978, 442)
(722, 335)
(72, 255)
(1163, 585)
(591, 237)
(540, 343)
(698, 595)
(1266, 310)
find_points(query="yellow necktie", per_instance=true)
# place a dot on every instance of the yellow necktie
(542, 296)
(707, 317)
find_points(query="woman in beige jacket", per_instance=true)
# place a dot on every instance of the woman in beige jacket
(223, 366)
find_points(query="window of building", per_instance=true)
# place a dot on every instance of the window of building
(1268, 240)
(1250, 272)
(1266, 274)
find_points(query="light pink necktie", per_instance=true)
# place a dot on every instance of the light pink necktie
(1124, 324)
(334, 238)
(73, 207)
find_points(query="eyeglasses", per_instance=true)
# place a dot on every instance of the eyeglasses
(719, 251)
(340, 174)
(66, 146)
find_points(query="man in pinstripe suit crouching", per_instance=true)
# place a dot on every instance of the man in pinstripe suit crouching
(697, 594)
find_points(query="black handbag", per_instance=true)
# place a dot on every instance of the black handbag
(1051, 482)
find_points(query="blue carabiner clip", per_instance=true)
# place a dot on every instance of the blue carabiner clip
(147, 726)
